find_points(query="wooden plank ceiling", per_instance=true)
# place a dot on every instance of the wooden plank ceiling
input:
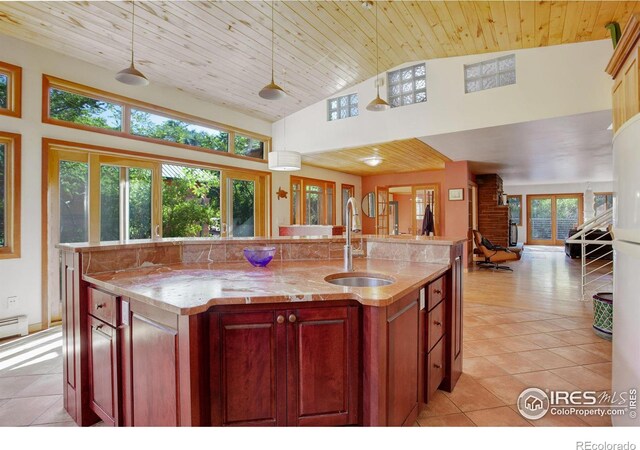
(408, 155)
(220, 51)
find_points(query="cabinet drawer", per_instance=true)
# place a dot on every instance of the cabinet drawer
(102, 306)
(435, 324)
(436, 292)
(435, 367)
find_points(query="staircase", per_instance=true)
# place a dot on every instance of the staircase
(597, 272)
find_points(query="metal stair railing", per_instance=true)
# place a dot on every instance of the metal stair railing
(597, 275)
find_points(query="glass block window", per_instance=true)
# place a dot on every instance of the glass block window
(407, 86)
(490, 74)
(342, 107)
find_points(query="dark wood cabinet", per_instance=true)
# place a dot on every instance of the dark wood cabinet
(454, 319)
(103, 366)
(285, 366)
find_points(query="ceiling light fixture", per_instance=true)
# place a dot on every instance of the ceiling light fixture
(377, 104)
(373, 161)
(272, 91)
(131, 75)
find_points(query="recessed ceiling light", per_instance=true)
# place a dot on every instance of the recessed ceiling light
(372, 161)
(367, 5)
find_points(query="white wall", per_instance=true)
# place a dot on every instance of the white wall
(566, 188)
(22, 277)
(551, 82)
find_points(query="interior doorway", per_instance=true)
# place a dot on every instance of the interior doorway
(402, 209)
(550, 217)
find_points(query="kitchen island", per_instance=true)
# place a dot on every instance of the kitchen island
(185, 333)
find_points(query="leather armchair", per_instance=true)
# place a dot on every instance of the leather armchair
(494, 254)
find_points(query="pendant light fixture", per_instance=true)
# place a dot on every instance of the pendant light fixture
(131, 75)
(377, 104)
(284, 161)
(272, 91)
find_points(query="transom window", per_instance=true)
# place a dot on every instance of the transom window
(407, 86)
(77, 106)
(342, 107)
(9, 195)
(490, 74)
(10, 90)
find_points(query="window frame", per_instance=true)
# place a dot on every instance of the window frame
(14, 90)
(338, 108)
(519, 197)
(390, 97)
(13, 188)
(128, 104)
(606, 194)
(302, 210)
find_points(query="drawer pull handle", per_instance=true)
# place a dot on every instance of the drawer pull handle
(437, 366)
(437, 323)
(280, 319)
(292, 318)
(100, 305)
(437, 291)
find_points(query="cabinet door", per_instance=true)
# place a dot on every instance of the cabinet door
(103, 369)
(323, 368)
(150, 357)
(247, 386)
(454, 320)
(403, 361)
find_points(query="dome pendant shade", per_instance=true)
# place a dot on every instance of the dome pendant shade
(284, 161)
(132, 76)
(272, 92)
(377, 104)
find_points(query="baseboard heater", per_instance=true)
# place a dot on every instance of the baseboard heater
(14, 326)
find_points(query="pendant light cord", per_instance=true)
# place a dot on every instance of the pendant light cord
(377, 56)
(133, 24)
(272, 54)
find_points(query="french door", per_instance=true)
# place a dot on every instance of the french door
(241, 207)
(551, 217)
(382, 210)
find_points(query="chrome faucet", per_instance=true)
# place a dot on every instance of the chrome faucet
(352, 225)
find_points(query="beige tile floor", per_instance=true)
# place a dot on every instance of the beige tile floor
(507, 350)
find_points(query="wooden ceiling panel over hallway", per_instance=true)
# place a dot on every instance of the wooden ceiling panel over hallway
(221, 52)
(409, 155)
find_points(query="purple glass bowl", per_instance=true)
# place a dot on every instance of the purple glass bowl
(259, 256)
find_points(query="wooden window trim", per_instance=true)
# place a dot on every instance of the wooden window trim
(521, 205)
(304, 181)
(14, 90)
(553, 197)
(127, 104)
(13, 169)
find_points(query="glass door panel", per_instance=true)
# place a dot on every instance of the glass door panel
(347, 191)
(110, 202)
(540, 218)
(138, 186)
(567, 217)
(296, 203)
(73, 201)
(190, 201)
(382, 210)
(314, 205)
(241, 221)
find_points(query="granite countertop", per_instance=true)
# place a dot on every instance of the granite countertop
(140, 243)
(188, 289)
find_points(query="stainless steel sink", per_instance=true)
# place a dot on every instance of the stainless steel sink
(359, 280)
